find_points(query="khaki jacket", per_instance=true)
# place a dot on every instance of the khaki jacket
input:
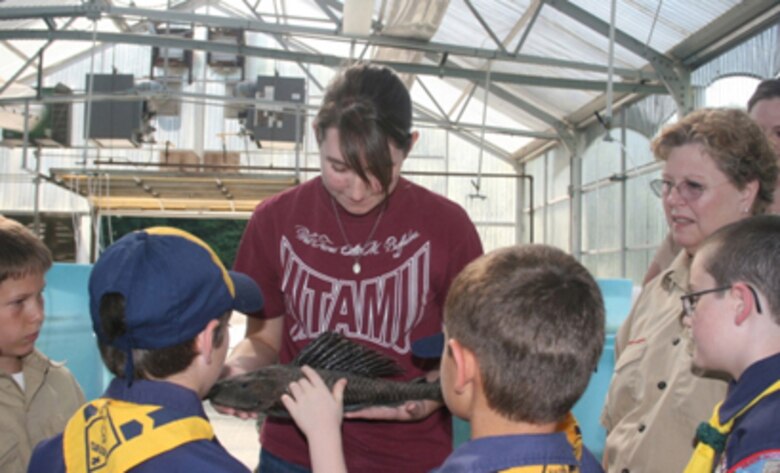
(51, 396)
(655, 401)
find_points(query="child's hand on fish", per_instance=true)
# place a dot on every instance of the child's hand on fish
(318, 413)
(313, 407)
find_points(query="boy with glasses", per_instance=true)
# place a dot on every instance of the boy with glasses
(733, 312)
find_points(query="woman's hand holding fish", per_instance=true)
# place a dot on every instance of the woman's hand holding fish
(408, 411)
(229, 411)
(318, 413)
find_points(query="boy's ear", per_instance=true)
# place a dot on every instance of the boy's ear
(415, 136)
(465, 365)
(204, 342)
(746, 304)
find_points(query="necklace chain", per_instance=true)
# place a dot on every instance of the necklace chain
(356, 268)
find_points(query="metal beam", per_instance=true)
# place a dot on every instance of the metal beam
(445, 122)
(118, 21)
(675, 77)
(556, 124)
(139, 26)
(257, 25)
(485, 26)
(561, 128)
(15, 50)
(536, 9)
(280, 40)
(324, 7)
(26, 64)
(328, 60)
(38, 54)
(50, 23)
(600, 26)
(734, 27)
(429, 119)
(489, 147)
(444, 115)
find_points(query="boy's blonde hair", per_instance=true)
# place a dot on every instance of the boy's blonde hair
(534, 318)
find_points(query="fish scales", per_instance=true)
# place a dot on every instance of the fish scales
(333, 357)
(261, 390)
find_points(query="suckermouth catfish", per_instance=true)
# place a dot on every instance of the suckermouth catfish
(333, 357)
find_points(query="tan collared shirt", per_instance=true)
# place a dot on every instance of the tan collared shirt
(666, 253)
(655, 401)
(50, 397)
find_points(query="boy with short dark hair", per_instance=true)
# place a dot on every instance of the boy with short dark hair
(160, 300)
(524, 330)
(733, 311)
(37, 395)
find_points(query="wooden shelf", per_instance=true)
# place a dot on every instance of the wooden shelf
(118, 190)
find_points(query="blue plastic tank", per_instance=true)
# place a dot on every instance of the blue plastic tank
(617, 295)
(67, 330)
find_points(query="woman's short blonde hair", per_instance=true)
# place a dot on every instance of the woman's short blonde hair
(733, 141)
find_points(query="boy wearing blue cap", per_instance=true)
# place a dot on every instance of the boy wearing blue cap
(524, 330)
(37, 395)
(160, 300)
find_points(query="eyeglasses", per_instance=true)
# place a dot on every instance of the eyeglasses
(688, 190)
(690, 300)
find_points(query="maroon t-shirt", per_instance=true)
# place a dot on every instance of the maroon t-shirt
(296, 252)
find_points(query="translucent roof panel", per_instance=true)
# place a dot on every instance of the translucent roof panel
(547, 60)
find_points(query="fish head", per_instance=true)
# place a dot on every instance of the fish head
(258, 391)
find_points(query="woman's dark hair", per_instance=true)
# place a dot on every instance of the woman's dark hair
(767, 89)
(371, 108)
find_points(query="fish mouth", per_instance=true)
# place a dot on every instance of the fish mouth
(218, 397)
(213, 392)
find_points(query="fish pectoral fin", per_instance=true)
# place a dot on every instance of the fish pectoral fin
(332, 351)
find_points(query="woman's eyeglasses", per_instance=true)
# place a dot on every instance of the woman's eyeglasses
(688, 190)
(690, 300)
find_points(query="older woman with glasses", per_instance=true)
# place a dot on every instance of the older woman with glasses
(718, 168)
(764, 109)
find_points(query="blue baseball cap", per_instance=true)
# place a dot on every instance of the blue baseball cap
(429, 347)
(173, 285)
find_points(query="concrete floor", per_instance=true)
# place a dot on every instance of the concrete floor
(239, 437)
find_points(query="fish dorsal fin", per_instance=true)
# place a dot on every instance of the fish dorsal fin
(332, 351)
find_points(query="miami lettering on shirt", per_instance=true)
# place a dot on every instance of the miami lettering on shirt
(381, 310)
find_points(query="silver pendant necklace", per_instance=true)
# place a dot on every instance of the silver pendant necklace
(357, 252)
